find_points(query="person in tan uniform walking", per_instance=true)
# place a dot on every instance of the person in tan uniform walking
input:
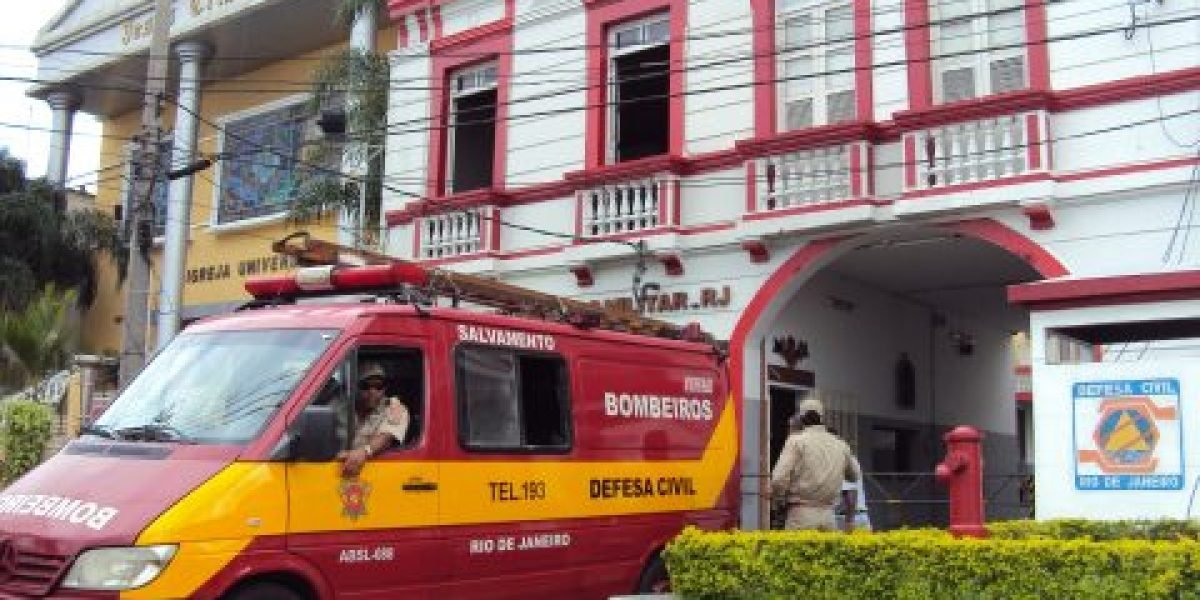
(809, 474)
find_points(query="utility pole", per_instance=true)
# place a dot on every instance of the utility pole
(141, 209)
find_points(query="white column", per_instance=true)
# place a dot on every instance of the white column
(179, 203)
(63, 105)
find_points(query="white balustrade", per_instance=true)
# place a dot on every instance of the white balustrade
(973, 151)
(807, 177)
(626, 206)
(452, 234)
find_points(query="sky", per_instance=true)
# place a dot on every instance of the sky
(22, 118)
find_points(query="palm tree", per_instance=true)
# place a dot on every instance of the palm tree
(355, 83)
(38, 339)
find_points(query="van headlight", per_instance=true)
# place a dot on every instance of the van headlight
(118, 568)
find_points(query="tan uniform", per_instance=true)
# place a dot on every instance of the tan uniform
(809, 475)
(389, 417)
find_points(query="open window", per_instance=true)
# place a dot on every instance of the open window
(1121, 342)
(472, 129)
(512, 401)
(639, 89)
(816, 60)
(979, 48)
(402, 379)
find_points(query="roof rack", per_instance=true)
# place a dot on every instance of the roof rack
(328, 268)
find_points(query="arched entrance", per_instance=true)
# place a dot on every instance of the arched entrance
(904, 332)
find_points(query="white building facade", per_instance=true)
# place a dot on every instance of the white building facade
(895, 204)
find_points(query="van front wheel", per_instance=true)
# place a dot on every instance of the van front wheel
(655, 579)
(264, 590)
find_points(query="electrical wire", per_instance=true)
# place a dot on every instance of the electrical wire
(574, 238)
(618, 102)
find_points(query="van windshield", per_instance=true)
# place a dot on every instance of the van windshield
(216, 387)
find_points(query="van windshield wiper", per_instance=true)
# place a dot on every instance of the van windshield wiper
(98, 431)
(153, 432)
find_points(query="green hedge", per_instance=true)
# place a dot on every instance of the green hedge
(926, 564)
(25, 427)
(1077, 529)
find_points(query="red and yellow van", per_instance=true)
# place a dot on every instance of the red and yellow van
(542, 460)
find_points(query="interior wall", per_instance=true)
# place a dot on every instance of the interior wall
(855, 334)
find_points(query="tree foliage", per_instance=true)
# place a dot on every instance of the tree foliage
(38, 339)
(41, 245)
(354, 82)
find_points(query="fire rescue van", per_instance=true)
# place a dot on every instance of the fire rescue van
(546, 457)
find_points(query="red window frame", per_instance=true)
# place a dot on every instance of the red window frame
(492, 42)
(766, 77)
(602, 15)
(918, 45)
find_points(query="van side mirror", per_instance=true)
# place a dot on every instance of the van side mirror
(314, 435)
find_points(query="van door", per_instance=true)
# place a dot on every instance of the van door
(514, 435)
(373, 535)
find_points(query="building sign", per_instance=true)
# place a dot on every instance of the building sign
(1127, 435)
(141, 27)
(246, 268)
(667, 302)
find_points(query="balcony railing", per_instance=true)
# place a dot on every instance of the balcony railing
(808, 177)
(452, 234)
(977, 151)
(628, 206)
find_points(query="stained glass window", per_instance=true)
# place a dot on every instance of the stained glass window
(261, 164)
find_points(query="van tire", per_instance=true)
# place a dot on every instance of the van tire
(264, 590)
(654, 579)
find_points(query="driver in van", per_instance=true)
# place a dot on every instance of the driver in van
(381, 421)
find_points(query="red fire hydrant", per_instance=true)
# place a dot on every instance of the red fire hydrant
(962, 472)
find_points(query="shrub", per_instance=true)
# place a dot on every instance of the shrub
(1073, 529)
(922, 564)
(26, 428)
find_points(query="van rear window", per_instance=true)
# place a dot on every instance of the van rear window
(512, 401)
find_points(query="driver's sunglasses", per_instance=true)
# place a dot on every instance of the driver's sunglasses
(370, 385)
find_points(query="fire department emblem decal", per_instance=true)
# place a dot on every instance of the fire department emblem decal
(354, 495)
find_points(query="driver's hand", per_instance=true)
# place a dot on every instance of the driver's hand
(352, 461)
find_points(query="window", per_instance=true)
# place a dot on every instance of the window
(816, 63)
(262, 167)
(979, 48)
(893, 450)
(217, 387)
(403, 376)
(512, 400)
(639, 89)
(472, 128)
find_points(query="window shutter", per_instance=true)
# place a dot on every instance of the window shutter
(1008, 74)
(799, 114)
(839, 107)
(958, 84)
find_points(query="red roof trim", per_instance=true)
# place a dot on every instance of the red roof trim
(1102, 291)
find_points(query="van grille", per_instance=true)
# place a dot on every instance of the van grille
(28, 573)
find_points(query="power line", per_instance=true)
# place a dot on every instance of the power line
(551, 112)
(814, 75)
(711, 182)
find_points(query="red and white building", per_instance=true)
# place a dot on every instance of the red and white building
(911, 207)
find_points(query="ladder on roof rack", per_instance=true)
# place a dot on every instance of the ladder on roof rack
(508, 298)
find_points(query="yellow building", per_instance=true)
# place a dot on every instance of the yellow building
(250, 64)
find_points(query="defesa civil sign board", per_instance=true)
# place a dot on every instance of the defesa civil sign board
(1127, 434)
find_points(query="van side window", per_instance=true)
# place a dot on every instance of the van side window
(400, 372)
(511, 400)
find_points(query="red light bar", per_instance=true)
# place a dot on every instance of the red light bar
(272, 287)
(339, 280)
